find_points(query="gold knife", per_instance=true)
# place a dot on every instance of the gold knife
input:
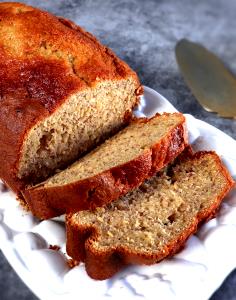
(213, 85)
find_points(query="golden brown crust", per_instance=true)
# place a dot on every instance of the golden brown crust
(111, 184)
(102, 265)
(43, 60)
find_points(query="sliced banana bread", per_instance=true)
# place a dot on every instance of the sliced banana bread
(61, 92)
(120, 164)
(151, 222)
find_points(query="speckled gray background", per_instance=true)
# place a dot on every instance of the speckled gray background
(144, 34)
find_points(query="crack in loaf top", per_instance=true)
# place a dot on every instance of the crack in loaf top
(44, 59)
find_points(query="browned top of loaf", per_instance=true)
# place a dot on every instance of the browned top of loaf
(44, 59)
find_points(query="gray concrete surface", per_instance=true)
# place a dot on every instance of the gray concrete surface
(144, 34)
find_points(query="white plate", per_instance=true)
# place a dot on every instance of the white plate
(194, 273)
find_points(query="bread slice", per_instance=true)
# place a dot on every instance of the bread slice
(117, 166)
(61, 93)
(151, 222)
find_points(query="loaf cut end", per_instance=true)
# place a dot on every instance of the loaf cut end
(154, 220)
(83, 121)
(62, 92)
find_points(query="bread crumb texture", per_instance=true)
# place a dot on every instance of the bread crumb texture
(128, 144)
(160, 211)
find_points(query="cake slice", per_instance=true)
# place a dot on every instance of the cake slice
(120, 164)
(152, 221)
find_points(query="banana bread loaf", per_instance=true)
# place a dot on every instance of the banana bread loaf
(120, 164)
(151, 222)
(61, 92)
